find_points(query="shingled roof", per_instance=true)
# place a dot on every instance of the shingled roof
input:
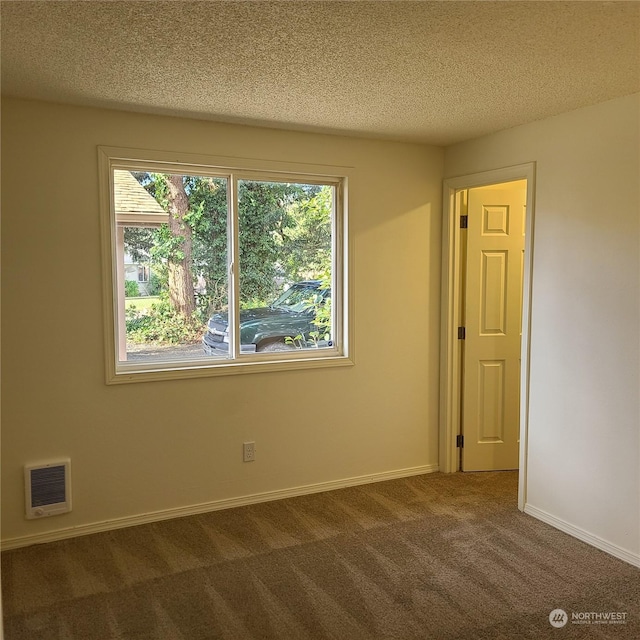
(134, 205)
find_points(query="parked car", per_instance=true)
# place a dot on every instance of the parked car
(271, 328)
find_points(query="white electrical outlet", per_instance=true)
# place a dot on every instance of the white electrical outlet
(248, 451)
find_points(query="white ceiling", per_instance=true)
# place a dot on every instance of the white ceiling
(436, 72)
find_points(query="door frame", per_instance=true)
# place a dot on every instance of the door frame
(450, 349)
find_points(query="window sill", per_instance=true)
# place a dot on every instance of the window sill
(126, 374)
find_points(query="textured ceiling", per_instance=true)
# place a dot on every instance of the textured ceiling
(436, 72)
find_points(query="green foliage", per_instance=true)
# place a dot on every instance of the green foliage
(156, 284)
(162, 324)
(321, 307)
(284, 236)
(131, 289)
(254, 303)
(322, 312)
(263, 217)
(138, 242)
(208, 219)
(306, 239)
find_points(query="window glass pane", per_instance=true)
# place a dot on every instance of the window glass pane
(172, 266)
(143, 276)
(286, 264)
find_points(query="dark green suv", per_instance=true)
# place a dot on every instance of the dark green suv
(272, 328)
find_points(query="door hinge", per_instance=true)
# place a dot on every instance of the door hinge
(464, 222)
(460, 442)
(462, 333)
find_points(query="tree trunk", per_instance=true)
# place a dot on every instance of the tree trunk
(181, 292)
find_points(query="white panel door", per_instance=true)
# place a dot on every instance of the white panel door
(493, 323)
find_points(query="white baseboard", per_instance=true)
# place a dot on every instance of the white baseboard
(167, 514)
(585, 536)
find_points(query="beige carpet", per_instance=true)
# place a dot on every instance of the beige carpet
(437, 556)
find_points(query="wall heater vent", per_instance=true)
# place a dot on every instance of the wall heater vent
(47, 488)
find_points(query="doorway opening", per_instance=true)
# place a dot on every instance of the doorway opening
(486, 303)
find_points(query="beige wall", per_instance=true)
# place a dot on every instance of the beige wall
(584, 445)
(159, 446)
(155, 446)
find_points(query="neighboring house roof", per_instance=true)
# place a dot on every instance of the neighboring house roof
(134, 205)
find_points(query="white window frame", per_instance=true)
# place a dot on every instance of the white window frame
(233, 169)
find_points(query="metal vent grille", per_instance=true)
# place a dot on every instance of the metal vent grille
(47, 486)
(47, 489)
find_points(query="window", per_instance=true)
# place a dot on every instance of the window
(240, 269)
(143, 273)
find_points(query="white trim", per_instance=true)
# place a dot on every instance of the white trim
(202, 164)
(450, 316)
(585, 536)
(183, 370)
(216, 505)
